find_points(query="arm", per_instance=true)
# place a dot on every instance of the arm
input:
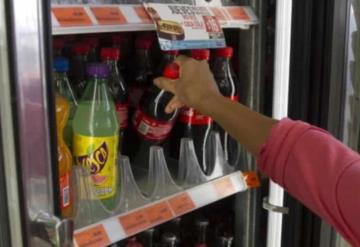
(308, 162)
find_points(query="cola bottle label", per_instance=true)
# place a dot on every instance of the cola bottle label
(150, 128)
(122, 110)
(189, 115)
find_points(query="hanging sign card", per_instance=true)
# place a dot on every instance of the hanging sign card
(185, 27)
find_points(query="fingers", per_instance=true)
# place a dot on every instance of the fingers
(166, 84)
(180, 60)
(174, 104)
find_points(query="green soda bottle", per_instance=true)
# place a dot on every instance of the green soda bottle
(96, 134)
(63, 87)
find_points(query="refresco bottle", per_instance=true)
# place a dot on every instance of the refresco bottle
(150, 122)
(192, 124)
(117, 86)
(63, 87)
(93, 43)
(64, 158)
(78, 61)
(142, 74)
(167, 58)
(228, 86)
(96, 134)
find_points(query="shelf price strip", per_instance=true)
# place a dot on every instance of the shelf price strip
(181, 204)
(108, 15)
(92, 237)
(72, 16)
(158, 213)
(252, 179)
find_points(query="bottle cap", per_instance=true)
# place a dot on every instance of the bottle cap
(91, 41)
(173, 52)
(110, 53)
(172, 71)
(200, 54)
(97, 69)
(58, 43)
(224, 52)
(81, 48)
(61, 64)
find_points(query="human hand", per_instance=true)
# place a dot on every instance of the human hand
(195, 84)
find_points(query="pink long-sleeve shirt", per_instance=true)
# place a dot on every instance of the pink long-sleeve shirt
(318, 170)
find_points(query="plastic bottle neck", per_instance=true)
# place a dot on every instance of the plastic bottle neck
(112, 63)
(221, 66)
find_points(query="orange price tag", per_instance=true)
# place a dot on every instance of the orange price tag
(158, 213)
(224, 187)
(181, 204)
(238, 13)
(142, 14)
(108, 15)
(74, 16)
(92, 237)
(252, 179)
(134, 222)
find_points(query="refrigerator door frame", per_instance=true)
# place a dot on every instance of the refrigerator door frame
(27, 117)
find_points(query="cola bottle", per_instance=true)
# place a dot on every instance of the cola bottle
(132, 242)
(201, 232)
(93, 43)
(142, 74)
(151, 125)
(167, 58)
(117, 86)
(193, 124)
(58, 46)
(77, 72)
(123, 42)
(225, 241)
(228, 86)
(169, 239)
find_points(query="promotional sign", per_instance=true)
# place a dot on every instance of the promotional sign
(185, 27)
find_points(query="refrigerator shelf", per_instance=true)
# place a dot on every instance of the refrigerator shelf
(116, 228)
(78, 19)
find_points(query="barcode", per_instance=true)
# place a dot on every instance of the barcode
(143, 128)
(66, 196)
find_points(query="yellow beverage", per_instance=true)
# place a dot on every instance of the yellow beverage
(64, 158)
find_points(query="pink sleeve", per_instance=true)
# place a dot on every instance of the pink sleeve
(318, 170)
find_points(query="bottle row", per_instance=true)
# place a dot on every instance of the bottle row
(109, 104)
(210, 227)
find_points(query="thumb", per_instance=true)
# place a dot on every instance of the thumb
(166, 84)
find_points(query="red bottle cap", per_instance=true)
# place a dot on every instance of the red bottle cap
(200, 54)
(91, 41)
(174, 52)
(224, 52)
(110, 53)
(81, 48)
(58, 43)
(172, 71)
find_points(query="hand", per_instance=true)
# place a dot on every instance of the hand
(195, 84)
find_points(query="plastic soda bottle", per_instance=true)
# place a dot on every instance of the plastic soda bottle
(64, 158)
(96, 135)
(117, 86)
(63, 87)
(228, 86)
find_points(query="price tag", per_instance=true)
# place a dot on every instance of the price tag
(142, 14)
(252, 179)
(108, 15)
(181, 203)
(73, 16)
(219, 13)
(134, 222)
(224, 187)
(158, 213)
(92, 237)
(237, 13)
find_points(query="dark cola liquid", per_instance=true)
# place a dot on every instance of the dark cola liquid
(228, 86)
(150, 125)
(77, 73)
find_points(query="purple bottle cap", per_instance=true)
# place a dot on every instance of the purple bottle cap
(97, 69)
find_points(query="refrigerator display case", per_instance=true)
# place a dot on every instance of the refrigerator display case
(28, 159)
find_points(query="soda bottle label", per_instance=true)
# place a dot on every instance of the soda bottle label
(234, 98)
(151, 129)
(191, 116)
(122, 113)
(65, 190)
(98, 155)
